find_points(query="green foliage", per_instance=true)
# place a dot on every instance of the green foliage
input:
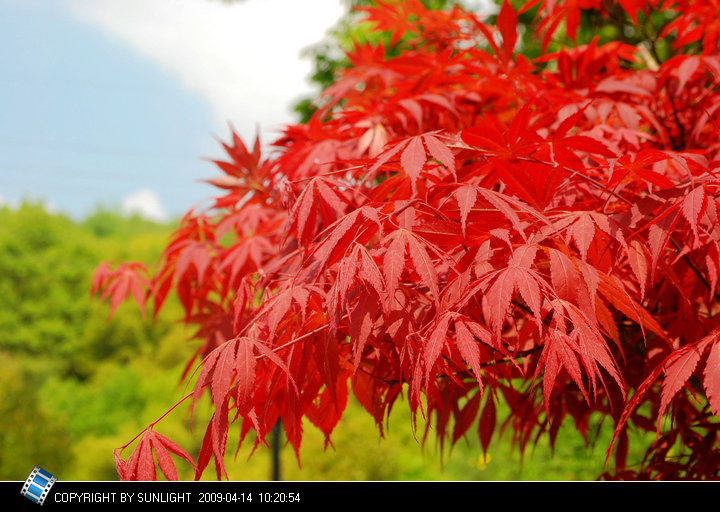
(46, 265)
(64, 374)
(113, 395)
(27, 436)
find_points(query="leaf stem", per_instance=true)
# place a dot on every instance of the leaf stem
(152, 424)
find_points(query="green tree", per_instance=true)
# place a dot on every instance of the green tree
(28, 434)
(65, 369)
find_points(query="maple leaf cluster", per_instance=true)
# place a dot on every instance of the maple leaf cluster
(463, 225)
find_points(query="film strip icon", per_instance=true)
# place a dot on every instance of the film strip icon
(38, 484)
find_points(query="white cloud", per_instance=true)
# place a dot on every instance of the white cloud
(242, 58)
(145, 203)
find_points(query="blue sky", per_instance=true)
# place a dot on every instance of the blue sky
(116, 102)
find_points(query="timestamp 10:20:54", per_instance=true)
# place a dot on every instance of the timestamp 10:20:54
(263, 497)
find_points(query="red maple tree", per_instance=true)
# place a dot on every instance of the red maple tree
(464, 225)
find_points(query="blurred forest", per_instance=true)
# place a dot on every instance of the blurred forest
(75, 385)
